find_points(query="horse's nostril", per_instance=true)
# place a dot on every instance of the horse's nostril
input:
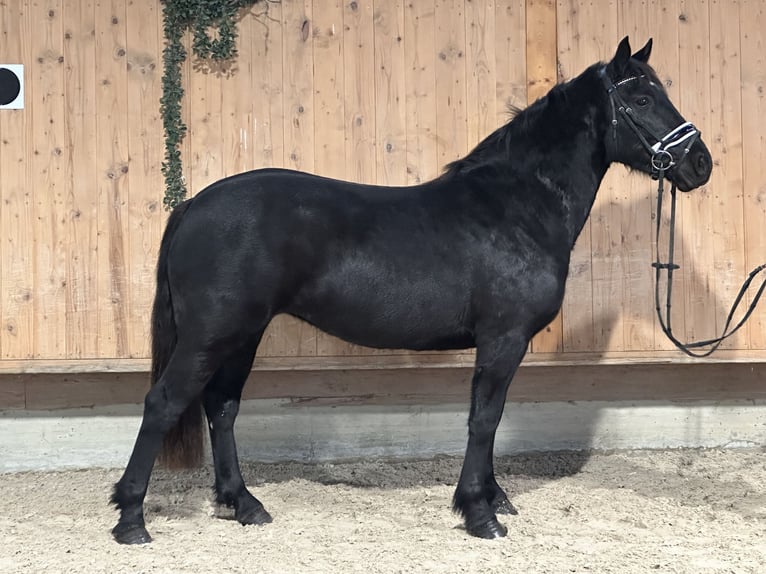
(702, 164)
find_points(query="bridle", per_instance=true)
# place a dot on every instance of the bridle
(660, 152)
(662, 160)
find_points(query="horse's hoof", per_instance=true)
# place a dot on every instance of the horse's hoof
(256, 515)
(131, 534)
(490, 529)
(504, 506)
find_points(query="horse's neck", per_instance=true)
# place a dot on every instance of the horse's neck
(574, 181)
(572, 166)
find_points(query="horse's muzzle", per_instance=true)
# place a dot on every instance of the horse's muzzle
(695, 168)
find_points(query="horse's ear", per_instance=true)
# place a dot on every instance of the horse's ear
(620, 61)
(643, 54)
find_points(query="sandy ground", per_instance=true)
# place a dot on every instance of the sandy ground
(628, 512)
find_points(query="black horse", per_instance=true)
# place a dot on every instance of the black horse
(478, 257)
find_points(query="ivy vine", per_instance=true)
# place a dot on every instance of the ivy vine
(213, 24)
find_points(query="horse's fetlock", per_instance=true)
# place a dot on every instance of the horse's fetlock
(466, 497)
(126, 494)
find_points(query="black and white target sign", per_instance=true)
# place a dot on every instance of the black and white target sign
(11, 86)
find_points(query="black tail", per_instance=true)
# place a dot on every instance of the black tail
(183, 444)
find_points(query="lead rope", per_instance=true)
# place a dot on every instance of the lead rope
(671, 266)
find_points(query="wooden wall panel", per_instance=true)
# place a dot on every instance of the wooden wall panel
(451, 111)
(607, 249)
(635, 216)
(268, 128)
(82, 203)
(329, 109)
(698, 216)
(668, 383)
(330, 117)
(205, 126)
(725, 141)
(390, 96)
(112, 173)
(582, 30)
(542, 75)
(481, 67)
(288, 336)
(510, 57)
(753, 69)
(145, 149)
(642, 21)
(420, 54)
(370, 91)
(49, 163)
(266, 86)
(237, 101)
(17, 211)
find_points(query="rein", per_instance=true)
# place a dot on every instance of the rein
(662, 160)
(671, 266)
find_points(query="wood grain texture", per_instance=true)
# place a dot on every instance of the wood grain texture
(726, 183)
(266, 86)
(330, 117)
(112, 168)
(12, 394)
(481, 70)
(288, 336)
(641, 21)
(753, 70)
(698, 210)
(17, 212)
(237, 102)
(421, 386)
(145, 149)
(371, 91)
(81, 214)
(49, 165)
(363, 145)
(575, 52)
(360, 150)
(451, 108)
(390, 93)
(420, 55)
(542, 74)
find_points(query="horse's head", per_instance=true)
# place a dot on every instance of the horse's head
(647, 132)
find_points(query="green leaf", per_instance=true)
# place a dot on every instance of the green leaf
(213, 25)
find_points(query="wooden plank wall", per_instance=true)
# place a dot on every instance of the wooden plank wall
(371, 91)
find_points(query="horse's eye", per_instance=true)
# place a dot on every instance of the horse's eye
(642, 101)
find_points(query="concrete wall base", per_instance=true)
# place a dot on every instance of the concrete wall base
(278, 430)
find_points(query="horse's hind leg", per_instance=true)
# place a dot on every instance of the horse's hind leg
(182, 381)
(221, 399)
(496, 363)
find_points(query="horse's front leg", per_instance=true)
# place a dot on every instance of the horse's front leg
(477, 495)
(496, 496)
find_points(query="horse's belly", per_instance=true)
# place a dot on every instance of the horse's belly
(390, 323)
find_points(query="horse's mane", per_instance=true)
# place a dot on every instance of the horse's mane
(496, 147)
(525, 123)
